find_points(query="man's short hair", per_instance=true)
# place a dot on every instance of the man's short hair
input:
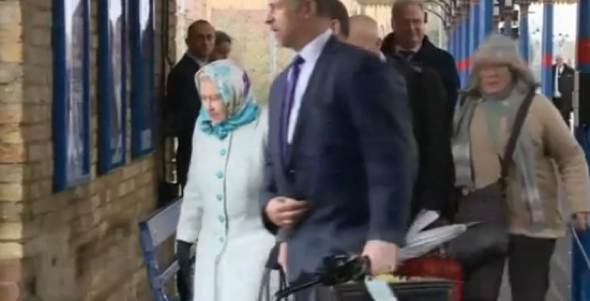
(194, 26)
(399, 5)
(222, 37)
(323, 6)
(339, 12)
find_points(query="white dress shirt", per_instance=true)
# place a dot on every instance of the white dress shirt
(414, 50)
(558, 71)
(310, 54)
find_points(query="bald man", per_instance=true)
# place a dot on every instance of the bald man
(364, 33)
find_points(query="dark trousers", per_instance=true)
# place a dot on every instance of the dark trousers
(528, 270)
(564, 107)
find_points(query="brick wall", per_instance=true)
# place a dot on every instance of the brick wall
(79, 244)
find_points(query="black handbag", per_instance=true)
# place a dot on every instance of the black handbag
(485, 210)
(407, 290)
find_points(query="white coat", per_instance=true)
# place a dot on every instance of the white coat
(221, 210)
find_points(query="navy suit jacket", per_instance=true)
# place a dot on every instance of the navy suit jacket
(352, 158)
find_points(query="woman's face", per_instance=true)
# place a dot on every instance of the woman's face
(212, 101)
(494, 78)
(221, 51)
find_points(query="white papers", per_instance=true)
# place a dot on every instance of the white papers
(380, 290)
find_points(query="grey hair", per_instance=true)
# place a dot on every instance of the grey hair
(500, 49)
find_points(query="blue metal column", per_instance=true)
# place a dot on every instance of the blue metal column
(474, 24)
(580, 273)
(547, 49)
(523, 28)
(459, 43)
(452, 35)
(486, 19)
(464, 46)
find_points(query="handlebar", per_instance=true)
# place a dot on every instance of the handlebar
(336, 269)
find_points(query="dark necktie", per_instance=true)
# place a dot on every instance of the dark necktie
(288, 101)
(406, 55)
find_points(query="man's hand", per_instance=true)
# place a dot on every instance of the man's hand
(383, 256)
(581, 220)
(285, 212)
(283, 256)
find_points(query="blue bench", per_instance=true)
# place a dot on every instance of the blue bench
(153, 232)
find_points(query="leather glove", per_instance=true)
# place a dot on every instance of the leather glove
(273, 258)
(185, 262)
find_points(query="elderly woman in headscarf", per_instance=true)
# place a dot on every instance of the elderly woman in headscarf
(545, 152)
(220, 205)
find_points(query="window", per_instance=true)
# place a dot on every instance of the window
(71, 92)
(112, 95)
(143, 115)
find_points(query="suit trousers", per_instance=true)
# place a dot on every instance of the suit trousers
(528, 272)
(560, 104)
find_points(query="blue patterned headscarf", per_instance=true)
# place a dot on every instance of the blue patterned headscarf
(235, 90)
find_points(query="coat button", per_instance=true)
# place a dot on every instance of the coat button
(221, 218)
(219, 175)
(291, 171)
(222, 152)
(219, 197)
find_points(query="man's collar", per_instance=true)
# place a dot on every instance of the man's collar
(197, 60)
(413, 50)
(312, 51)
(389, 44)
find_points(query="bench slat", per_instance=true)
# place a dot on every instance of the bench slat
(163, 223)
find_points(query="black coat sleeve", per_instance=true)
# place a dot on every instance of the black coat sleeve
(173, 105)
(435, 174)
(450, 79)
(378, 103)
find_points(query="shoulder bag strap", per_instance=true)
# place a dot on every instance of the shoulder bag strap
(515, 132)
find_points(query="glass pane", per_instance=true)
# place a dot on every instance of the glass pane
(116, 20)
(74, 30)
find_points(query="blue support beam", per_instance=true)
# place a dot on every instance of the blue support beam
(474, 24)
(524, 34)
(486, 19)
(547, 50)
(451, 41)
(465, 50)
(580, 272)
(460, 49)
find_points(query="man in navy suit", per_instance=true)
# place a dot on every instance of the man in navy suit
(341, 156)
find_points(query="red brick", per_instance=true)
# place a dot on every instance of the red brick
(9, 292)
(12, 153)
(11, 271)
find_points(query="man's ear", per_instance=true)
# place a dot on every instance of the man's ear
(335, 27)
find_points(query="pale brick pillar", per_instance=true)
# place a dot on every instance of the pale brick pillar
(80, 244)
(12, 151)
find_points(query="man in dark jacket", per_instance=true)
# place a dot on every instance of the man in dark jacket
(181, 110)
(563, 86)
(432, 130)
(409, 42)
(433, 86)
(182, 100)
